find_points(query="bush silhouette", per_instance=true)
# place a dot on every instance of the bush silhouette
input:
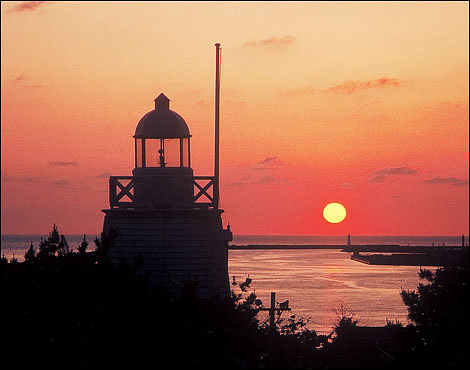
(76, 310)
(440, 310)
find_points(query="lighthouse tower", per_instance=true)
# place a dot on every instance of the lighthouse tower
(167, 218)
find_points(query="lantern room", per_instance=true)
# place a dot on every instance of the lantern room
(162, 177)
(162, 138)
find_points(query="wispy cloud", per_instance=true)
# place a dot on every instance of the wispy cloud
(238, 183)
(103, 175)
(19, 79)
(267, 180)
(397, 171)
(26, 179)
(22, 81)
(27, 6)
(349, 87)
(271, 43)
(268, 163)
(384, 173)
(63, 164)
(346, 185)
(346, 88)
(299, 91)
(378, 179)
(255, 175)
(246, 180)
(35, 180)
(60, 182)
(446, 180)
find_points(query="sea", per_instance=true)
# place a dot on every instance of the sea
(321, 285)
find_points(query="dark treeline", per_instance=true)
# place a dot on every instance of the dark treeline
(75, 310)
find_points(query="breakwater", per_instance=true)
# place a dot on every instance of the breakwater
(410, 255)
(282, 246)
(459, 258)
(388, 254)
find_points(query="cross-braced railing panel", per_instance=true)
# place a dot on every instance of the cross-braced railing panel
(119, 190)
(203, 190)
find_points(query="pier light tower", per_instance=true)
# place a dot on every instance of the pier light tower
(164, 215)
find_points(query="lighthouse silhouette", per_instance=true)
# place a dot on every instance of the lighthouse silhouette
(166, 218)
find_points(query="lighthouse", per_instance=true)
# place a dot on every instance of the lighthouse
(167, 218)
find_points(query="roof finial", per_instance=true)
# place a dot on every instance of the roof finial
(162, 102)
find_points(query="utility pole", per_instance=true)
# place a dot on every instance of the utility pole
(283, 306)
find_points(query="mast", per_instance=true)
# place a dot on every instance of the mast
(217, 113)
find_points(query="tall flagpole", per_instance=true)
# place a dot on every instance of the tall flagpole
(217, 113)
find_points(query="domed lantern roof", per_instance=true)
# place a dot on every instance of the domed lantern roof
(162, 122)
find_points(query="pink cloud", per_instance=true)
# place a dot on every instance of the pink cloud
(62, 163)
(378, 179)
(271, 43)
(397, 171)
(19, 79)
(349, 87)
(446, 180)
(27, 6)
(268, 163)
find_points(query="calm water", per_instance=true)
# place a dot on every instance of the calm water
(316, 282)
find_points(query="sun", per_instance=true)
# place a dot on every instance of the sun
(334, 213)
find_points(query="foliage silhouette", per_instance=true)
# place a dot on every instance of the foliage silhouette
(30, 254)
(76, 310)
(83, 246)
(440, 310)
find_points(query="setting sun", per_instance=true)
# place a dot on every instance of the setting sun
(334, 213)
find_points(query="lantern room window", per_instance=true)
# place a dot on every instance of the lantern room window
(185, 154)
(138, 153)
(162, 152)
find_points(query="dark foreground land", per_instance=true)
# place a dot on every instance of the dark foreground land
(75, 310)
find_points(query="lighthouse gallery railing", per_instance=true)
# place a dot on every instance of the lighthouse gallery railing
(121, 194)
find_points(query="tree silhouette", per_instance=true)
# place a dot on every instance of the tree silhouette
(83, 245)
(30, 255)
(440, 311)
(78, 310)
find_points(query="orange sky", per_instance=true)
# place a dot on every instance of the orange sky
(365, 104)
